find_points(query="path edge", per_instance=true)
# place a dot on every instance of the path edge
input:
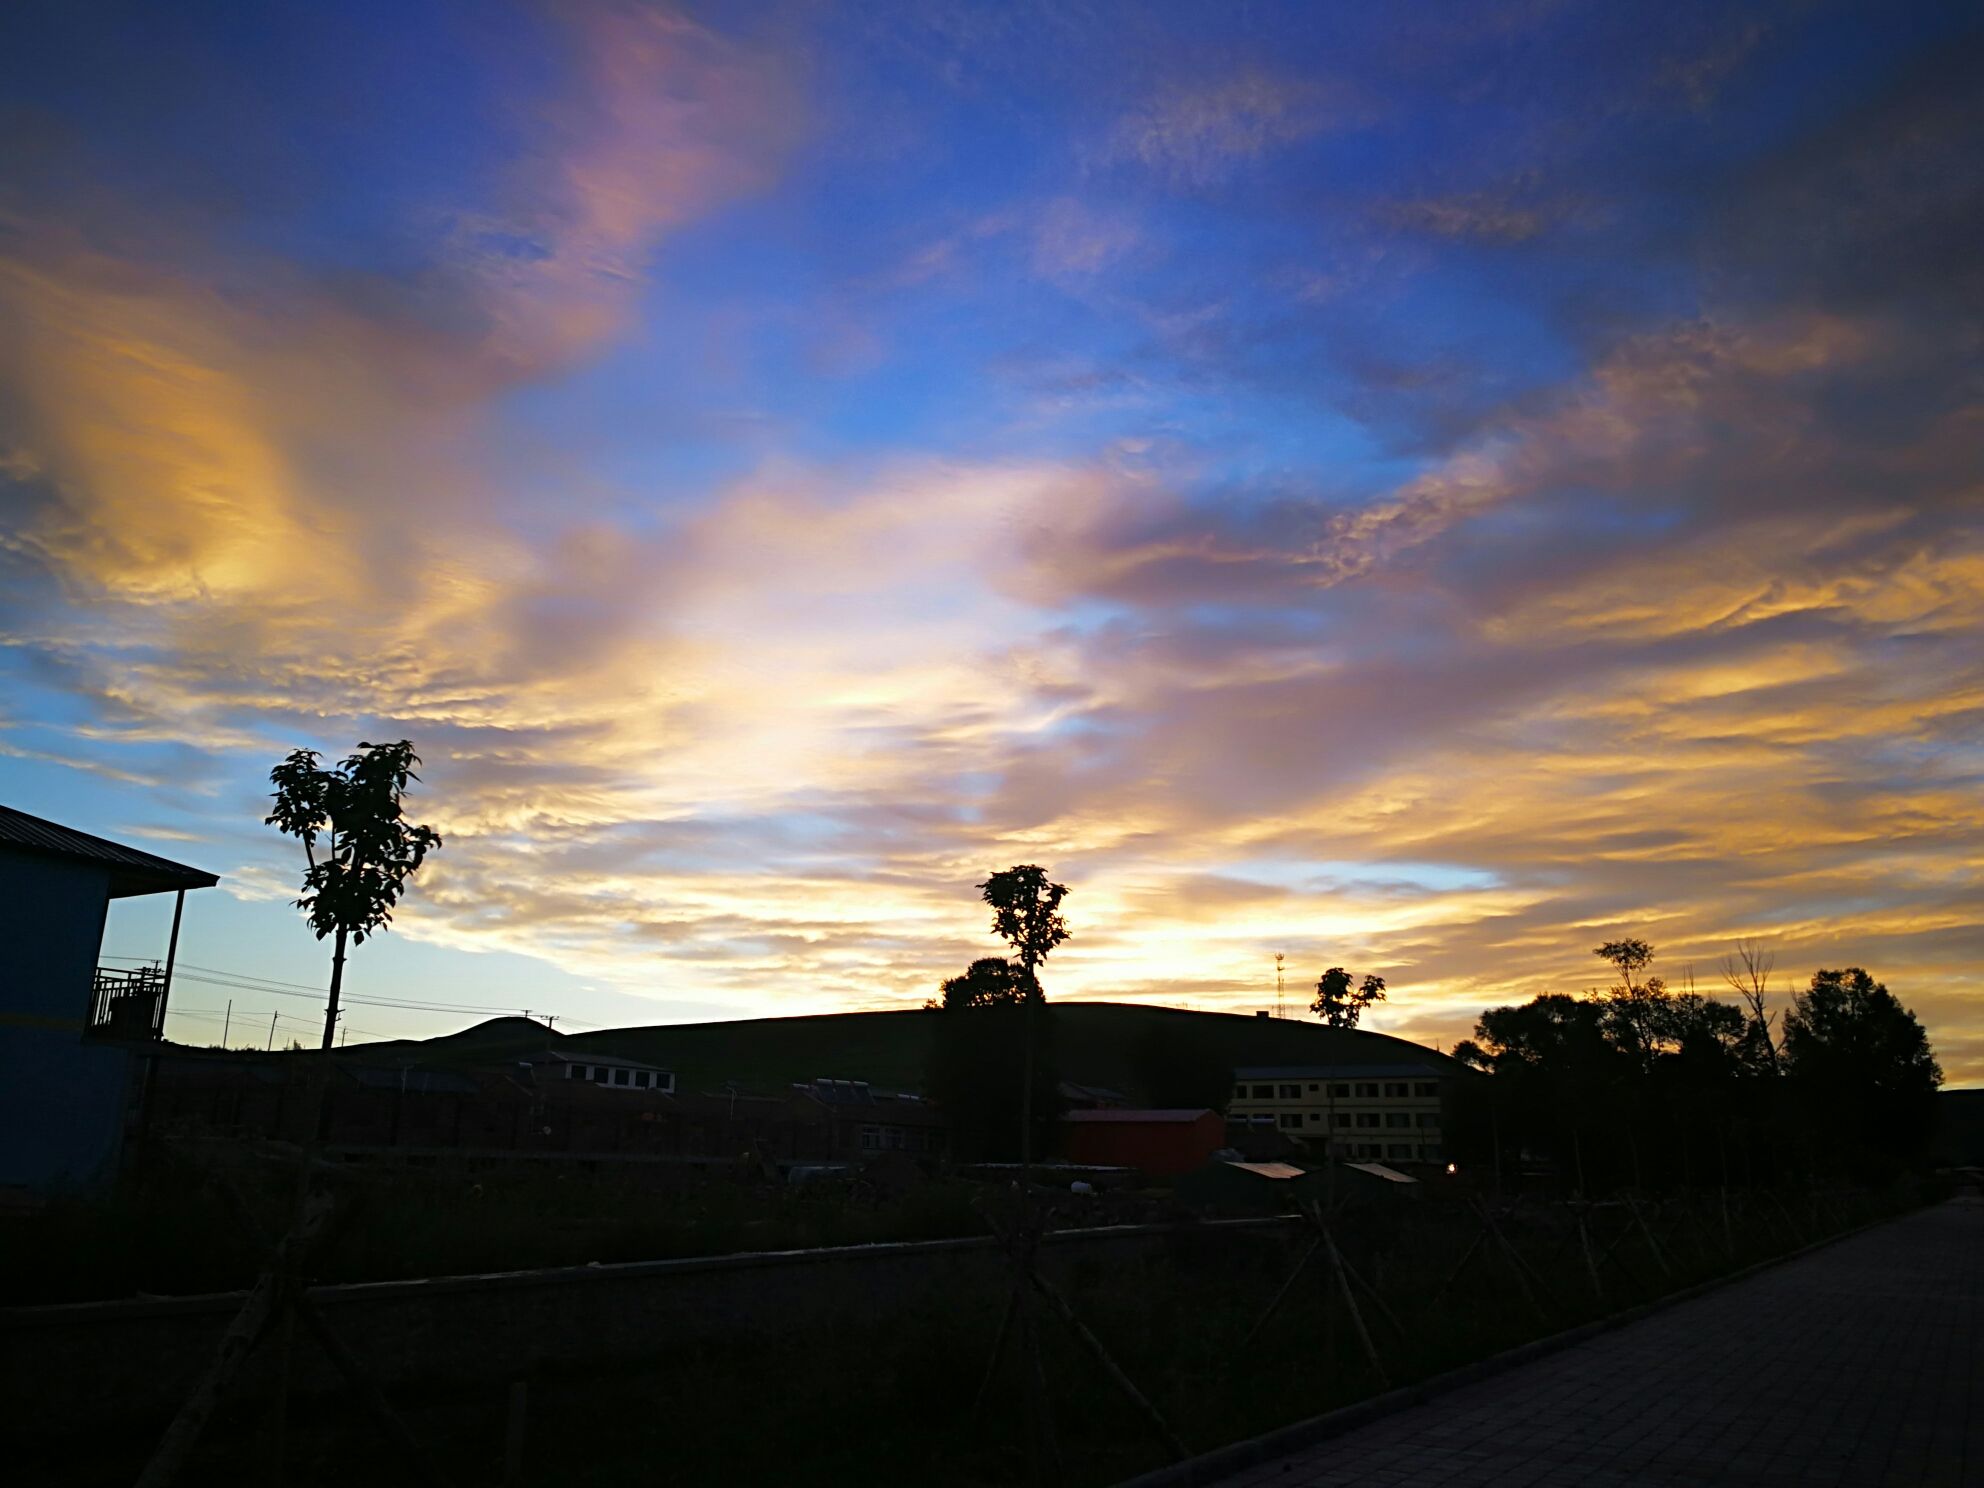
(1208, 1468)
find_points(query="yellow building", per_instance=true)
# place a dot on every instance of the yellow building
(1390, 1112)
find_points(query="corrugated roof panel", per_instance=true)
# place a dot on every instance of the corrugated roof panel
(141, 872)
(1379, 1170)
(1280, 1172)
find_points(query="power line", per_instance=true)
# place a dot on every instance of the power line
(215, 976)
(215, 1015)
(249, 985)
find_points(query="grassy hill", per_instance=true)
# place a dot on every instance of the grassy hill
(1096, 1044)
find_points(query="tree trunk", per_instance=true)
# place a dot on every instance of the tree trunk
(337, 981)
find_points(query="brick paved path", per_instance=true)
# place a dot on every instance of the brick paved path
(1860, 1364)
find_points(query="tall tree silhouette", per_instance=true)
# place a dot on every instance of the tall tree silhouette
(1747, 969)
(1861, 1065)
(1026, 914)
(1635, 1009)
(368, 849)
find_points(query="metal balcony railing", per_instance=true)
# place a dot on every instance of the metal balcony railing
(128, 1003)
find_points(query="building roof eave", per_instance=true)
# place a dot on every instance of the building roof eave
(132, 871)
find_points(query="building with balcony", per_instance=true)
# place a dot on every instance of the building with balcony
(1386, 1112)
(74, 1036)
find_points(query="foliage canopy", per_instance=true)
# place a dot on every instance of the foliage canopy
(370, 850)
(1339, 1004)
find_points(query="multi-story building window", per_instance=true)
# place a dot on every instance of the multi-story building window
(1326, 1105)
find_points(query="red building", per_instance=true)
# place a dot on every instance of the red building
(1161, 1143)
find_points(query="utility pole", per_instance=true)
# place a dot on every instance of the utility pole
(343, 1034)
(272, 1029)
(226, 1021)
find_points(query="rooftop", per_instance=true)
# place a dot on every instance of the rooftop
(1277, 1171)
(131, 872)
(1339, 1072)
(614, 1061)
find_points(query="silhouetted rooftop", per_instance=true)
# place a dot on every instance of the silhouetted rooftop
(1339, 1072)
(131, 871)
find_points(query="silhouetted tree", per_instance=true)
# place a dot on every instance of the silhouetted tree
(1471, 1054)
(1747, 969)
(369, 849)
(989, 981)
(1643, 1084)
(1635, 1007)
(1340, 1005)
(1707, 1036)
(1860, 1066)
(985, 1042)
(1026, 915)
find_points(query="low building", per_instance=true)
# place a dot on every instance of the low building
(604, 1069)
(1376, 1112)
(73, 1034)
(863, 1120)
(1160, 1143)
(1252, 1187)
(581, 1106)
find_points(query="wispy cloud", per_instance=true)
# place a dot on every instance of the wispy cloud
(667, 121)
(1197, 133)
(1487, 217)
(1671, 633)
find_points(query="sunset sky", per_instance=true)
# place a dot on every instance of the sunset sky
(1426, 488)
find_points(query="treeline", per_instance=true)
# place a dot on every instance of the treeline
(1650, 1086)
